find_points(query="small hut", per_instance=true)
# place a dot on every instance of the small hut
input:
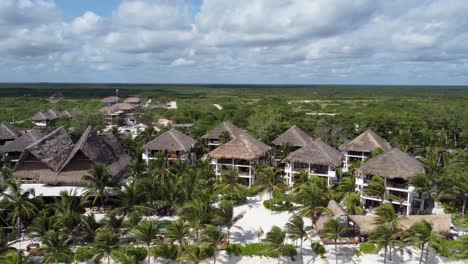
(134, 101)
(215, 137)
(397, 168)
(240, 153)
(173, 144)
(362, 146)
(12, 151)
(43, 118)
(316, 158)
(57, 160)
(8, 133)
(336, 212)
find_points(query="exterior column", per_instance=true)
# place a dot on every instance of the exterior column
(408, 208)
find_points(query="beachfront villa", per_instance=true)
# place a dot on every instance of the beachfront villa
(221, 134)
(241, 153)
(295, 138)
(118, 111)
(397, 168)
(58, 160)
(110, 100)
(43, 118)
(134, 101)
(316, 159)
(173, 145)
(8, 133)
(11, 152)
(360, 148)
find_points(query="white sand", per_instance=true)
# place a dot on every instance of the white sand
(172, 105)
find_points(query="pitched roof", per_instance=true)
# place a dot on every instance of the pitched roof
(392, 164)
(53, 114)
(226, 126)
(367, 142)
(19, 144)
(316, 152)
(116, 108)
(9, 131)
(243, 147)
(336, 212)
(294, 136)
(440, 223)
(110, 99)
(135, 100)
(171, 140)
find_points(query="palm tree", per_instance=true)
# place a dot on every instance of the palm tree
(275, 238)
(196, 213)
(296, 229)
(146, 231)
(284, 150)
(224, 137)
(376, 187)
(229, 185)
(55, 248)
(15, 257)
(224, 216)
(352, 202)
(193, 254)
(313, 199)
(113, 222)
(210, 239)
(41, 225)
(131, 198)
(68, 209)
(97, 181)
(88, 228)
(5, 244)
(421, 235)
(18, 201)
(270, 183)
(333, 230)
(385, 215)
(178, 231)
(107, 242)
(381, 236)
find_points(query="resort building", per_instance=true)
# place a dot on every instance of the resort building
(134, 101)
(43, 119)
(221, 134)
(8, 133)
(294, 138)
(396, 167)
(57, 160)
(123, 111)
(11, 152)
(110, 101)
(360, 148)
(317, 159)
(241, 153)
(173, 144)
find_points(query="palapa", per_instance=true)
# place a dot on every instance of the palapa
(392, 164)
(318, 153)
(336, 211)
(110, 99)
(171, 140)
(19, 144)
(218, 131)
(9, 131)
(294, 136)
(242, 147)
(368, 141)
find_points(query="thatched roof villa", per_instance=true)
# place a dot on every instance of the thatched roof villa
(215, 136)
(240, 153)
(134, 101)
(294, 136)
(57, 160)
(362, 146)
(174, 144)
(8, 132)
(396, 167)
(110, 100)
(12, 150)
(42, 118)
(336, 212)
(118, 110)
(317, 158)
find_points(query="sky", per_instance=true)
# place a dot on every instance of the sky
(416, 42)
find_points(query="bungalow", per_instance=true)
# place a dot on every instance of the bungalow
(117, 111)
(241, 153)
(134, 101)
(294, 137)
(317, 159)
(57, 160)
(218, 135)
(173, 144)
(397, 168)
(12, 150)
(362, 146)
(8, 133)
(110, 101)
(43, 119)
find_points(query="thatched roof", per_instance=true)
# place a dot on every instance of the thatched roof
(243, 147)
(367, 142)
(53, 114)
(294, 136)
(316, 152)
(336, 212)
(440, 223)
(171, 140)
(223, 127)
(57, 160)
(392, 164)
(116, 108)
(9, 131)
(134, 100)
(19, 144)
(110, 99)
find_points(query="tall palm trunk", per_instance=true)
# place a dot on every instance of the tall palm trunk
(148, 252)
(385, 255)
(464, 207)
(422, 252)
(421, 207)
(108, 259)
(102, 201)
(300, 251)
(336, 252)
(390, 251)
(270, 199)
(427, 253)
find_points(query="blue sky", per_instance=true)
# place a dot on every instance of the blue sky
(242, 41)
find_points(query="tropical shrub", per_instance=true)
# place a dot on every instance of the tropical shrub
(319, 249)
(367, 248)
(165, 251)
(234, 249)
(278, 205)
(289, 251)
(83, 254)
(139, 253)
